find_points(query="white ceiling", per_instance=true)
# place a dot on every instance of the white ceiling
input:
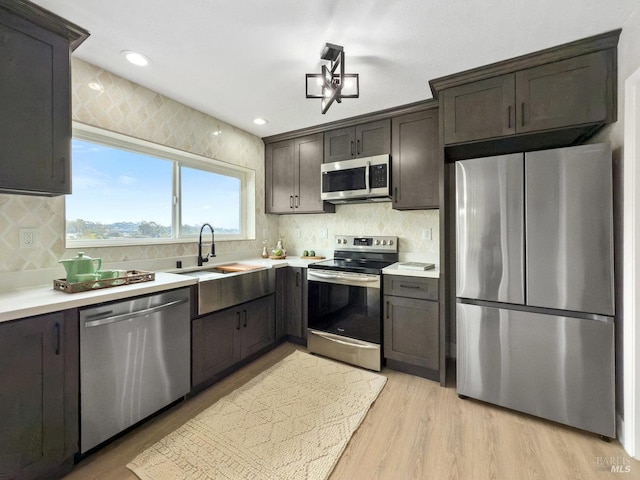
(241, 59)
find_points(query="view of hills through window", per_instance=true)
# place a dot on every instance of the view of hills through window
(120, 194)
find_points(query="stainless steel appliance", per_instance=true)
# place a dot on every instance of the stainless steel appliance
(534, 270)
(344, 300)
(360, 179)
(135, 358)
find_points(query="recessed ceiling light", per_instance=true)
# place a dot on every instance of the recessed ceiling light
(260, 121)
(95, 86)
(136, 58)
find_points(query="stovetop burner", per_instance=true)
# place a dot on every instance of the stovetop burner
(361, 254)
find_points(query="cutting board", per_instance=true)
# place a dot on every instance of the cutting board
(237, 267)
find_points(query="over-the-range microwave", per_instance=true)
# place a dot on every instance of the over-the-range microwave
(357, 180)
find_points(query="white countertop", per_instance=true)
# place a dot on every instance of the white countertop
(38, 300)
(27, 302)
(394, 270)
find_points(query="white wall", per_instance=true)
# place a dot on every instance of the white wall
(626, 184)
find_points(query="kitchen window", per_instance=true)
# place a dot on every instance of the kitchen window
(128, 191)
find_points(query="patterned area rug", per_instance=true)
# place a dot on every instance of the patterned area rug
(293, 421)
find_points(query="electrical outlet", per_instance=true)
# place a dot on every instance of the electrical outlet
(297, 232)
(426, 234)
(324, 233)
(28, 237)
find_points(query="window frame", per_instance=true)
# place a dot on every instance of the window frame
(178, 158)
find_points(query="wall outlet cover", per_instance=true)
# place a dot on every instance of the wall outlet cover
(28, 237)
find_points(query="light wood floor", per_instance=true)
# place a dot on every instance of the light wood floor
(415, 430)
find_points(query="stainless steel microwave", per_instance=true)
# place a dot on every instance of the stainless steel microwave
(357, 180)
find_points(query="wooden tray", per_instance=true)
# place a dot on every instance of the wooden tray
(282, 257)
(316, 257)
(133, 276)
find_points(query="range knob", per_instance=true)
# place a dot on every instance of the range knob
(377, 242)
(390, 242)
(338, 241)
(384, 242)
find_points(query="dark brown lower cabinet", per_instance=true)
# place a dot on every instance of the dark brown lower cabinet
(258, 325)
(222, 339)
(39, 374)
(291, 310)
(411, 330)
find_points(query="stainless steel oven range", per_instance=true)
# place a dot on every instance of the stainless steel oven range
(344, 300)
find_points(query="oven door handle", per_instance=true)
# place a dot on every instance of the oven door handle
(333, 338)
(337, 276)
(322, 275)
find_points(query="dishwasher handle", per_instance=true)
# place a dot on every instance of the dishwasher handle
(129, 315)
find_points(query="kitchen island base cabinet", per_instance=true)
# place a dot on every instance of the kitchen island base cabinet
(39, 374)
(222, 340)
(411, 331)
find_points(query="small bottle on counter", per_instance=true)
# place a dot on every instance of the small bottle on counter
(265, 254)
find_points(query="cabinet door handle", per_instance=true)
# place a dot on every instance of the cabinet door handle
(509, 117)
(290, 201)
(395, 195)
(297, 202)
(297, 279)
(415, 287)
(388, 308)
(57, 338)
(245, 318)
(238, 325)
(352, 148)
(522, 113)
(358, 147)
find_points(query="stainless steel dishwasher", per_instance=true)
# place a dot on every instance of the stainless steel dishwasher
(134, 360)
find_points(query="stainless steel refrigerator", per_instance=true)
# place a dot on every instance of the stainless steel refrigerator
(534, 284)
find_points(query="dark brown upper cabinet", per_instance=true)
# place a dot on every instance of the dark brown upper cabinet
(479, 110)
(365, 140)
(292, 176)
(415, 165)
(551, 98)
(35, 93)
(571, 92)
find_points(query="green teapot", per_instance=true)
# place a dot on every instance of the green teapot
(80, 264)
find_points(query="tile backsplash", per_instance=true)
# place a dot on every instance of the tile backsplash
(129, 109)
(364, 219)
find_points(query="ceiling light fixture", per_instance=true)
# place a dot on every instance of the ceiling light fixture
(136, 58)
(334, 83)
(95, 86)
(260, 121)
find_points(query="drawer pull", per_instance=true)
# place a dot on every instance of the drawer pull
(415, 287)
